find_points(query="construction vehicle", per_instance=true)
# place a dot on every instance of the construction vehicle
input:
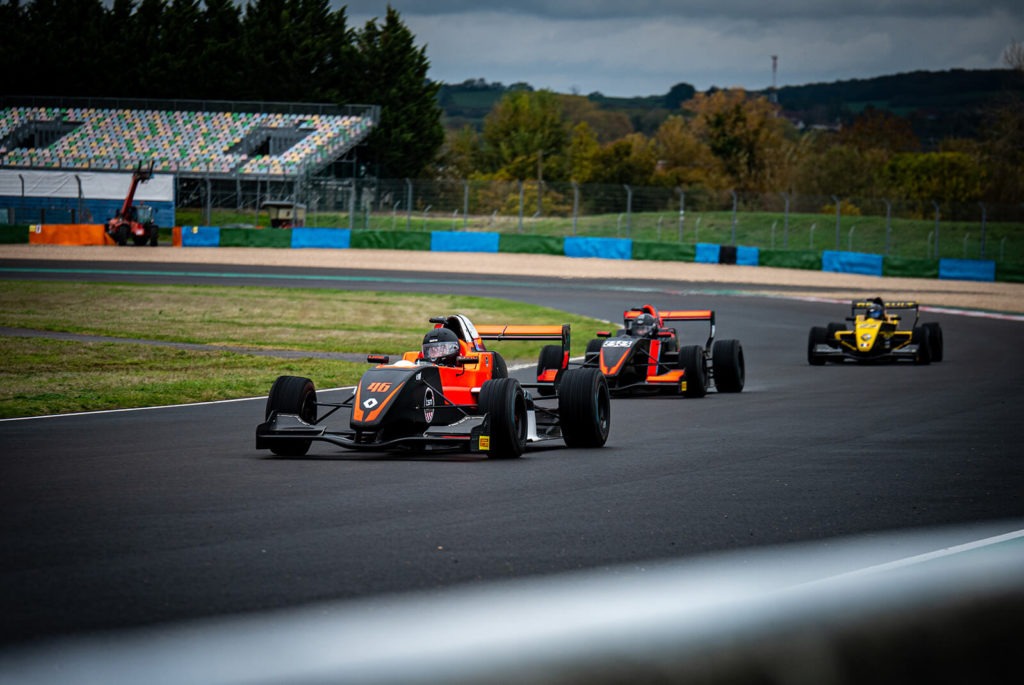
(135, 221)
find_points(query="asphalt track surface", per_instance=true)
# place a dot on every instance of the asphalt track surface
(121, 519)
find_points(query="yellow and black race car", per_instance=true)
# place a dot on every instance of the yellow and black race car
(877, 335)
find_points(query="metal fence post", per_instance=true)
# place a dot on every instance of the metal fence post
(733, 193)
(785, 222)
(465, 204)
(836, 200)
(983, 212)
(575, 205)
(682, 212)
(888, 225)
(629, 211)
(936, 205)
(408, 205)
(522, 199)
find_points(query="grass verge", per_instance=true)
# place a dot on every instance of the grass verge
(46, 376)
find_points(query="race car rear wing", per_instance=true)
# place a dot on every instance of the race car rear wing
(864, 305)
(525, 332)
(676, 315)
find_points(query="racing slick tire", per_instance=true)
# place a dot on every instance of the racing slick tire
(730, 370)
(584, 407)
(291, 395)
(818, 336)
(504, 402)
(922, 338)
(935, 338)
(550, 358)
(500, 367)
(691, 360)
(592, 356)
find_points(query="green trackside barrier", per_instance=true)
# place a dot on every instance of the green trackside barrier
(255, 237)
(910, 267)
(390, 240)
(790, 259)
(1010, 272)
(531, 244)
(663, 252)
(13, 234)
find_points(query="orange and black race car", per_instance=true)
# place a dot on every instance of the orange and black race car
(645, 356)
(452, 394)
(878, 334)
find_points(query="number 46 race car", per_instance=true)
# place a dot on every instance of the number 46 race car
(452, 394)
(646, 356)
(876, 336)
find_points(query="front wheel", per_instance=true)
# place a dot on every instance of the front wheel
(291, 395)
(817, 336)
(730, 370)
(504, 403)
(584, 407)
(923, 340)
(691, 361)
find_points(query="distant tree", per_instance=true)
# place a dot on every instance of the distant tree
(392, 72)
(1013, 56)
(677, 95)
(459, 157)
(220, 57)
(739, 130)
(582, 153)
(630, 160)
(945, 177)
(525, 136)
(881, 130)
(684, 160)
(606, 125)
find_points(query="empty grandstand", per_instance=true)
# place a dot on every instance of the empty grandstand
(217, 142)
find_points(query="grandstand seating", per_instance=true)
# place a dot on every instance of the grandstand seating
(196, 142)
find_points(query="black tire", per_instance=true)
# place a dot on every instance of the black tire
(584, 407)
(691, 360)
(729, 366)
(292, 395)
(832, 328)
(550, 358)
(139, 240)
(935, 338)
(922, 338)
(504, 402)
(154, 236)
(818, 336)
(500, 367)
(121, 235)
(592, 356)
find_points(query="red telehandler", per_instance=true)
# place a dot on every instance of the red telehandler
(134, 221)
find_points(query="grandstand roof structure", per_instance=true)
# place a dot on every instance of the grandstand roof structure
(186, 138)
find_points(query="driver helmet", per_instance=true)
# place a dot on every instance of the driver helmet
(875, 311)
(644, 326)
(441, 346)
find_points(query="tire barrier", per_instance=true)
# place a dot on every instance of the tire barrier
(571, 246)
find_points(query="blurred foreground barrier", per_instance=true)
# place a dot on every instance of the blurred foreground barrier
(941, 606)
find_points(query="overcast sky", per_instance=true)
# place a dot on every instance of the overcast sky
(644, 47)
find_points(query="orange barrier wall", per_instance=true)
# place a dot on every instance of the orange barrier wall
(68, 234)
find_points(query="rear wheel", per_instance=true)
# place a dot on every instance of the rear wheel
(584, 407)
(292, 395)
(818, 336)
(550, 358)
(504, 402)
(729, 366)
(923, 340)
(154, 235)
(592, 356)
(935, 338)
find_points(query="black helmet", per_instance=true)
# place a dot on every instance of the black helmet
(645, 326)
(441, 346)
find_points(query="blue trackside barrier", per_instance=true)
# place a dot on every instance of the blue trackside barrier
(707, 253)
(747, 256)
(338, 238)
(967, 269)
(454, 241)
(605, 248)
(200, 236)
(851, 262)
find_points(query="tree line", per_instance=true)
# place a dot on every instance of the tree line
(303, 51)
